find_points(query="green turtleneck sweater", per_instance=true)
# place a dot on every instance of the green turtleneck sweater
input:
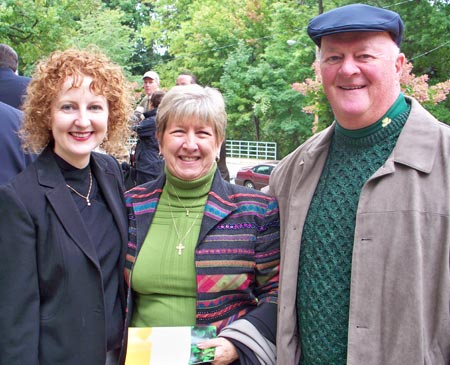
(323, 292)
(164, 279)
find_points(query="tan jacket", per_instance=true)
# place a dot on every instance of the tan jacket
(400, 284)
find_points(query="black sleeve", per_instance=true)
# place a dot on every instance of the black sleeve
(246, 356)
(264, 318)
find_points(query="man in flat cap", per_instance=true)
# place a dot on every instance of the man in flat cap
(365, 206)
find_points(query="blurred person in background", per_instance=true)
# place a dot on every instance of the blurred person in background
(151, 84)
(13, 159)
(147, 160)
(12, 86)
(186, 78)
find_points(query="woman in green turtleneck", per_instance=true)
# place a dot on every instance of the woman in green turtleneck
(201, 250)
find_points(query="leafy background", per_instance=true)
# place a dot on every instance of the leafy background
(254, 51)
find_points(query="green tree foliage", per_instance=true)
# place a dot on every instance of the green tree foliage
(256, 52)
(136, 15)
(96, 29)
(199, 35)
(35, 28)
(257, 85)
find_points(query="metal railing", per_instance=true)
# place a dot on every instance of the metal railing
(252, 149)
(242, 149)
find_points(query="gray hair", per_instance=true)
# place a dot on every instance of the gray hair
(204, 104)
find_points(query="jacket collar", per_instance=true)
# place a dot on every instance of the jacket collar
(6, 72)
(59, 197)
(219, 205)
(415, 147)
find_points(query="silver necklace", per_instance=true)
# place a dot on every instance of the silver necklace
(85, 197)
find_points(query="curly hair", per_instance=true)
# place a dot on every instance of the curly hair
(48, 80)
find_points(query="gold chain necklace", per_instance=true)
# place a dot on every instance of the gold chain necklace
(179, 200)
(180, 247)
(88, 201)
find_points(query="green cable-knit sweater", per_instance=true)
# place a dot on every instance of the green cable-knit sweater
(327, 243)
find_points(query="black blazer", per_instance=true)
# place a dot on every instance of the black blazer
(50, 280)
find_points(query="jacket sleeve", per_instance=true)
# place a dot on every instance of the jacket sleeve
(267, 255)
(263, 317)
(19, 286)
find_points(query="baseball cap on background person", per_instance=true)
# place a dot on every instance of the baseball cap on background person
(152, 75)
(151, 84)
(356, 18)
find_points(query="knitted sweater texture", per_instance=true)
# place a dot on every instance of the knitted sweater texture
(327, 241)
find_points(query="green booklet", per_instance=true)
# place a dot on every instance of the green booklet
(169, 345)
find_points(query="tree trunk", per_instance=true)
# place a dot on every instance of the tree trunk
(257, 127)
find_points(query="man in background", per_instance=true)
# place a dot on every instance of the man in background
(12, 86)
(365, 210)
(151, 84)
(147, 160)
(186, 78)
(12, 157)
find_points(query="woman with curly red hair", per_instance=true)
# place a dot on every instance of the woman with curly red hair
(63, 229)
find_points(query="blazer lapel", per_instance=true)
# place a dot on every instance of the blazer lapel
(218, 206)
(62, 203)
(145, 207)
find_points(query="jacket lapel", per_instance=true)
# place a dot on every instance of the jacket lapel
(107, 181)
(62, 203)
(218, 206)
(144, 210)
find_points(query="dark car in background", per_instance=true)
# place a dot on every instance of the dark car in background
(257, 176)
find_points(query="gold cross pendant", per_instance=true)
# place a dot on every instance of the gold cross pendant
(180, 248)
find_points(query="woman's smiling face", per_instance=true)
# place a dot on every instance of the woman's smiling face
(79, 122)
(190, 148)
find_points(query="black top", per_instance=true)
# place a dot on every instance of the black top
(105, 237)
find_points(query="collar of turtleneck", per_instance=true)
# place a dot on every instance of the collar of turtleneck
(400, 106)
(189, 189)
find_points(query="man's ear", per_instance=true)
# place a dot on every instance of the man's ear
(400, 63)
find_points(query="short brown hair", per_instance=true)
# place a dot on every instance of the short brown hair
(47, 81)
(156, 98)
